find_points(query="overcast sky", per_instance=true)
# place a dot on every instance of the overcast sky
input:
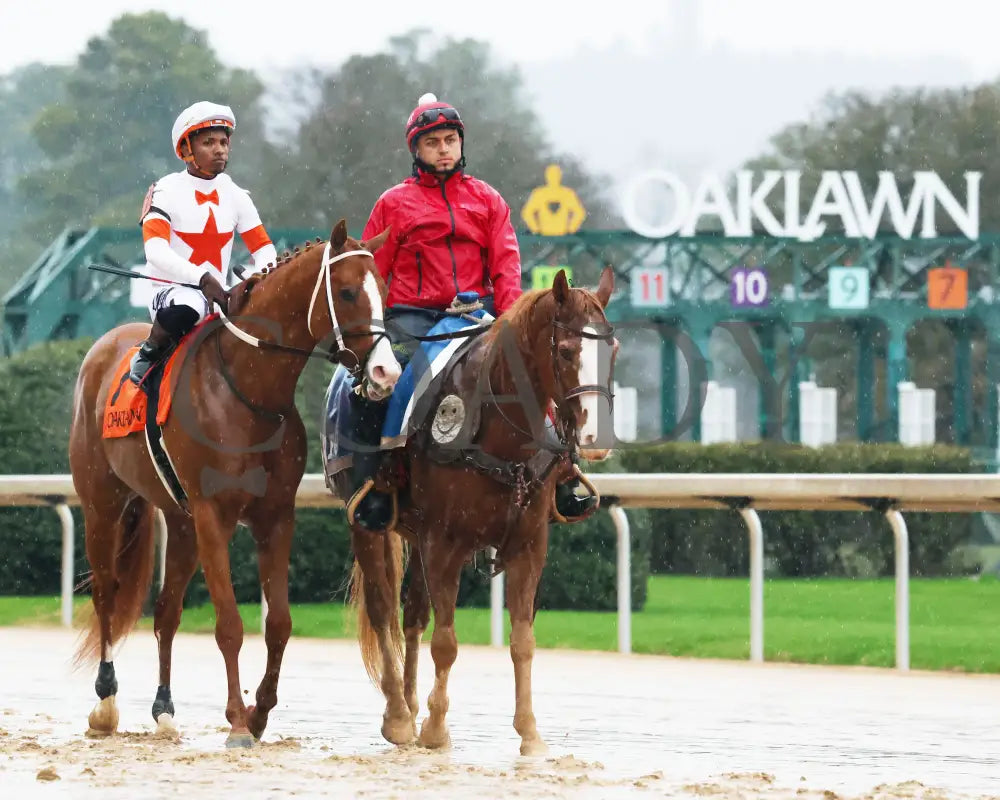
(252, 34)
(763, 62)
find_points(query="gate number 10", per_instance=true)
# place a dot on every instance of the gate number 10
(748, 287)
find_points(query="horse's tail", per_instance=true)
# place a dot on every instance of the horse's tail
(132, 576)
(371, 650)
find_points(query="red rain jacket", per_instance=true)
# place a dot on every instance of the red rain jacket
(447, 237)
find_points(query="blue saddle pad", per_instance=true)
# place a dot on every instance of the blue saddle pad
(408, 387)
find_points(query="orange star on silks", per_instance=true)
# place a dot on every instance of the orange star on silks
(207, 245)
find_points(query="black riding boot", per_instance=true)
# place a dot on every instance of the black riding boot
(568, 503)
(374, 512)
(150, 352)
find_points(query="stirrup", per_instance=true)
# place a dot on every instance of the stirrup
(359, 496)
(593, 494)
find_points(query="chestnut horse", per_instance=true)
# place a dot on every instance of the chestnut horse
(495, 489)
(238, 447)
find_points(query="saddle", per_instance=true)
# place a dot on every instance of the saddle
(427, 408)
(126, 410)
(447, 341)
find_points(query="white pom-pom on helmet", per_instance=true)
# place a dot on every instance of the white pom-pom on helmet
(196, 117)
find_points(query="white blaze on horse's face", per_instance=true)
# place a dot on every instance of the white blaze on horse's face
(382, 369)
(595, 432)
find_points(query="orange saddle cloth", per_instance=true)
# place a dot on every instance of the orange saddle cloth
(125, 410)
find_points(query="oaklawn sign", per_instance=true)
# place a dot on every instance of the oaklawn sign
(839, 194)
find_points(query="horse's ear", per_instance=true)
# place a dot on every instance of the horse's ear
(339, 236)
(606, 286)
(376, 242)
(560, 287)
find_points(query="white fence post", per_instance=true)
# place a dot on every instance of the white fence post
(902, 538)
(620, 519)
(66, 518)
(756, 531)
(496, 606)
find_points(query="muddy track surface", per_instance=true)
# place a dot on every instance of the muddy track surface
(634, 726)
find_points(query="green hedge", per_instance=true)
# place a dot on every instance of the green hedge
(801, 543)
(35, 397)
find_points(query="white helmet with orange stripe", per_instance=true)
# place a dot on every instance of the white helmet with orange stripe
(199, 116)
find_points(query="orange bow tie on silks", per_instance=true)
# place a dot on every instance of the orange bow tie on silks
(211, 197)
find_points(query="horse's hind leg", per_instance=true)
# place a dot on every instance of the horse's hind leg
(273, 535)
(379, 560)
(118, 543)
(443, 570)
(523, 574)
(181, 561)
(102, 538)
(416, 615)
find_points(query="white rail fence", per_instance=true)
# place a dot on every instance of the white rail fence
(890, 495)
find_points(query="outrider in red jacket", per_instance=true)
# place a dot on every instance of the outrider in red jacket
(447, 237)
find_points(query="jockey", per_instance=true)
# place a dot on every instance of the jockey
(188, 220)
(450, 233)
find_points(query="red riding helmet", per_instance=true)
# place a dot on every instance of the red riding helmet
(429, 114)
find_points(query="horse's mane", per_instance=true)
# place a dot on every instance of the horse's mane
(242, 292)
(519, 316)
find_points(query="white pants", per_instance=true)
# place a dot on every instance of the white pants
(179, 296)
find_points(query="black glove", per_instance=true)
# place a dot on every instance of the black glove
(213, 291)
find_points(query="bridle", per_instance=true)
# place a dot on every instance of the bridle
(337, 356)
(564, 421)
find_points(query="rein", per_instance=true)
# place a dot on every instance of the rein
(335, 356)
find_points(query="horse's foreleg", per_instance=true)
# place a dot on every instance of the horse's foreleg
(443, 571)
(213, 550)
(523, 574)
(181, 561)
(274, 544)
(416, 614)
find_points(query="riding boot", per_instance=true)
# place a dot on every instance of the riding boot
(150, 352)
(374, 509)
(568, 503)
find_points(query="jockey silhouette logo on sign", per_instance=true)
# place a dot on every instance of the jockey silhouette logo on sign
(553, 209)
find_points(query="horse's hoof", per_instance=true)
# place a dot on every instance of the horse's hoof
(399, 731)
(533, 747)
(243, 740)
(434, 738)
(103, 720)
(166, 727)
(256, 722)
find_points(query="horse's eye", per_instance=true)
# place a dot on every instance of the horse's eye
(566, 352)
(349, 295)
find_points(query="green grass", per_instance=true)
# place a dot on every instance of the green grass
(954, 623)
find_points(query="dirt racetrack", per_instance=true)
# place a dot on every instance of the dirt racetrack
(633, 726)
